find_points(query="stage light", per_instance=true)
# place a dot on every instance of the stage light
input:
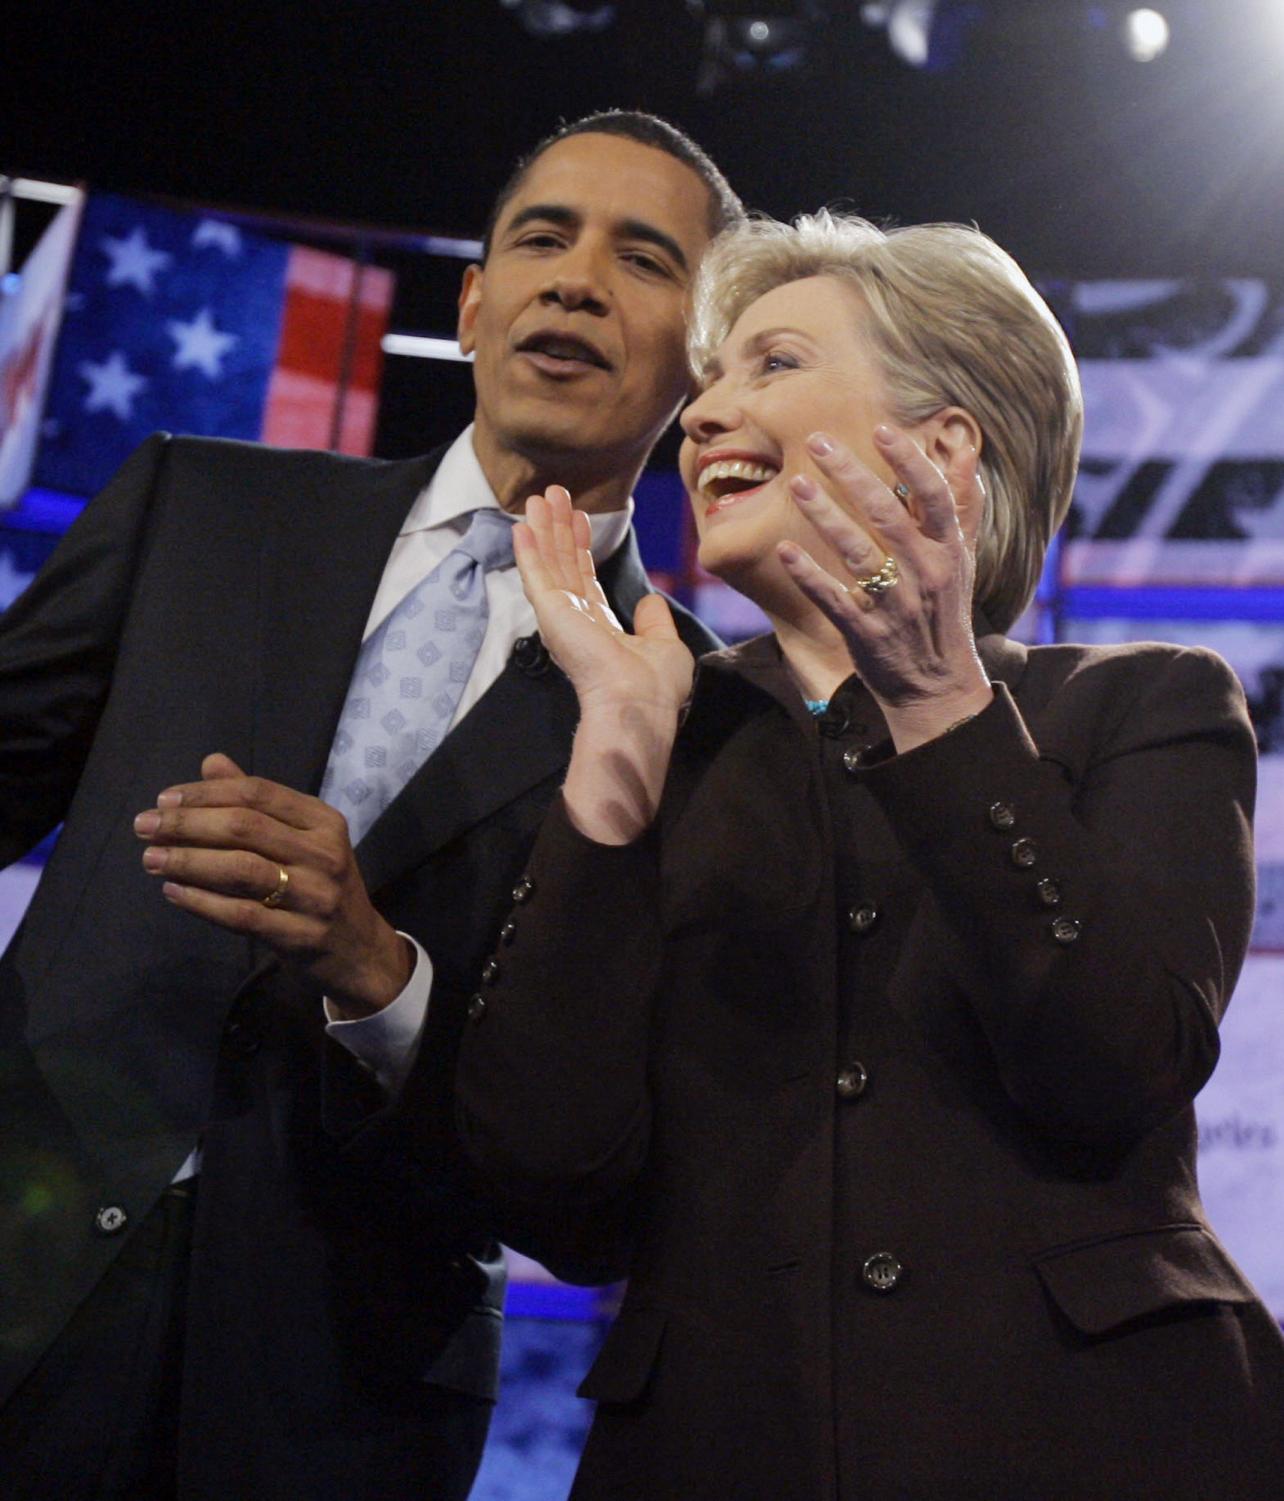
(753, 37)
(1146, 34)
(558, 18)
(909, 30)
(927, 34)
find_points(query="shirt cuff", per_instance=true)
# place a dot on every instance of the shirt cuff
(388, 1040)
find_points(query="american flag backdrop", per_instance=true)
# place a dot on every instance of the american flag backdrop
(186, 322)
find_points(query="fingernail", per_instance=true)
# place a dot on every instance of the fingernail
(884, 434)
(803, 487)
(821, 444)
(155, 859)
(171, 891)
(170, 799)
(146, 824)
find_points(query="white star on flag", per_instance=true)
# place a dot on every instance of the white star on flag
(113, 385)
(215, 233)
(200, 345)
(12, 580)
(133, 261)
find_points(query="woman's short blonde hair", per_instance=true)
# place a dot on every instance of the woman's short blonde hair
(955, 322)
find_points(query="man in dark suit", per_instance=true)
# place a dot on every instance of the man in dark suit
(236, 1262)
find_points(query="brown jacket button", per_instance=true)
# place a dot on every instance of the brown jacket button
(508, 932)
(882, 1271)
(863, 918)
(1066, 929)
(852, 1081)
(476, 1008)
(524, 890)
(1024, 853)
(490, 972)
(1002, 816)
(1049, 892)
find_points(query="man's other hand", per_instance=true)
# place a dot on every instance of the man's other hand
(261, 859)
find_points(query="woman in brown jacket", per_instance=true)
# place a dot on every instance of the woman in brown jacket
(858, 1019)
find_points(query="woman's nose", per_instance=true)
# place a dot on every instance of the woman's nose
(712, 412)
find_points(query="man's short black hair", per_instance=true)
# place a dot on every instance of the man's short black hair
(725, 207)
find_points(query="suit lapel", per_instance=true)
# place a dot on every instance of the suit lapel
(320, 566)
(515, 737)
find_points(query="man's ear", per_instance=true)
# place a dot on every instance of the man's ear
(953, 435)
(470, 292)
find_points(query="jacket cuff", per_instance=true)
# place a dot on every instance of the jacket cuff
(968, 779)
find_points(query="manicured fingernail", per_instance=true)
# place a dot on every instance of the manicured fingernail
(884, 434)
(155, 860)
(146, 824)
(803, 487)
(821, 444)
(169, 799)
(171, 891)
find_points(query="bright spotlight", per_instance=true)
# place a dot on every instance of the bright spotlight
(928, 34)
(1145, 35)
(909, 30)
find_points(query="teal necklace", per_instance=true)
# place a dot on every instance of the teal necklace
(816, 706)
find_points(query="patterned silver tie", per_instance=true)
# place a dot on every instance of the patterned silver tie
(411, 674)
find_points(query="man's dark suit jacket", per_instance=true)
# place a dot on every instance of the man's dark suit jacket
(213, 598)
(874, 1073)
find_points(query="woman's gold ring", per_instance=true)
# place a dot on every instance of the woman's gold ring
(276, 896)
(887, 577)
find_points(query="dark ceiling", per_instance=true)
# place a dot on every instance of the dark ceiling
(409, 112)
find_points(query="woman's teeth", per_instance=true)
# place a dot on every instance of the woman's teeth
(727, 476)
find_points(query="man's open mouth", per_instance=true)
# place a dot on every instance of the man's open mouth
(566, 350)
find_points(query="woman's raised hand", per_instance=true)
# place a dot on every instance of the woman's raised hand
(903, 600)
(631, 688)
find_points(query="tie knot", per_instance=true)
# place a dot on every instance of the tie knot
(489, 539)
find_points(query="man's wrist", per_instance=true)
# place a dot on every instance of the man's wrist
(384, 979)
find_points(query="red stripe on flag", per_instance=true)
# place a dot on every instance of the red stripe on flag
(304, 389)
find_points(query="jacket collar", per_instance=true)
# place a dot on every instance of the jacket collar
(760, 662)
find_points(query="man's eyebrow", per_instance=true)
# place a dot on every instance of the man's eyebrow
(550, 213)
(626, 229)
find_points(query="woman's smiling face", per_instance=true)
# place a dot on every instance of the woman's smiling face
(796, 362)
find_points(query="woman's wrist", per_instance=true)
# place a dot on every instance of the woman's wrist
(618, 766)
(915, 723)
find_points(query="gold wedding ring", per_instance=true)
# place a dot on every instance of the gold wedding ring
(275, 897)
(887, 577)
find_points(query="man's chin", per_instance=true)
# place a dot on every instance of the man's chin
(571, 437)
